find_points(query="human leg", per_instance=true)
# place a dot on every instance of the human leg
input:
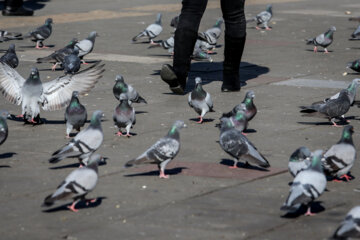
(15, 8)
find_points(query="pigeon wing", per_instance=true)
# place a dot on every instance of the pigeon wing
(11, 83)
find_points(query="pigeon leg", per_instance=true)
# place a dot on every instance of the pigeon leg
(347, 177)
(72, 206)
(162, 174)
(308, 212)
(326, 51)
(54, 67)
(37, 45)
(83, 62)
(67, 135)
(336, 180)
(315, 49)
(90, 201)
(152, 43)
(200, 120)
(334, 124)
(243, 133)
(267, 28)
(119, 133)
(258, 28)
(235, 164)
(128, 131)
(33, 121)
(162, 167)
(20, 116)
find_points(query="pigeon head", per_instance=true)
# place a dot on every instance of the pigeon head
(316, 160)
(158, 19)
(4, 114)
(347, 133)
(174, 22)
(333, 28)
(48, 21)
(219, 22)
(119, 78)
(179, 124)
(75, 94)
(354, 84)
(226, 123)
(75, 51)
(93, 35)
(300, 153)
(11, 48)
(123, 97)
(34, 74)
(96, 118)
(269, 8)
(73, 42)
(198, 80)
(250, 94)
(96, 159)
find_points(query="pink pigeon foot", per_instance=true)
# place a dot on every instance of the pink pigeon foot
(336, 180)
(309, 213)
(33, 121)
(119, 134)
(347, 177)
(53, 67)
(162, 175)
(258, 28)
(67, 136)
(267, 28)
(20, 116)
(234, 166)
(326, 51)
(90, 201)
(128, 135)
(243, 133)
(315, 49)
(200, 120)
(72, 207)
(335, 125)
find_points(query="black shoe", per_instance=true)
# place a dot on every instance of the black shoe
(168, 75)
(21, 11)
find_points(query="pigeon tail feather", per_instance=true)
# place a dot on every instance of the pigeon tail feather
(136, 161)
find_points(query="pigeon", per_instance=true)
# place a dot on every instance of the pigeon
(263, 18)
(52, 95)
(85, 143)
(167, 44)
(4, 130)
(200, 55)
(124, 115)
(351, 89)
(331, 109)
(238, 146)
(75, 114)
(308, 185)
(77, 184)
(151, 31)
(200, 100)
(354, 19)
(6, 36)
(356, 34)
(350, 227)
(163, 151)
(340, 158)
(10, 57)
(72, 62)
(175, 21)
(58, 56)
(250, 108)
(86, 45)
(204, 46)
(239, 120)
(299, 161)
(355, 65)
(324, 40)
(121, 87)
(41, 33)
(212, 34)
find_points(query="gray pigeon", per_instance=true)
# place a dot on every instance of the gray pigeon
(167, 44)
(72, 62)
(324, 40)
(350, 227)
(75, 114)
(41, 33)
(212, 34)
(131, 93)
(52, 95)
(238, 146)
(4, 130)
(238, 119)
(10, 57)
(163, 151)
(308, 185)
(352, 88)
(6, 36)
(86, 45)
(124, 115)
(250, 108)
(57, 57)
(200, 55)
(355, 65)
(77, 184)
(175, 22)
(200, 100)
(356, 34)
(84, 143)
(340, 158)
(331, 109)
(263, 18)
(299, 160)
(151, 31)
(204, 46)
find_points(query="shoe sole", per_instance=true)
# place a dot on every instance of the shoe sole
(168, 76)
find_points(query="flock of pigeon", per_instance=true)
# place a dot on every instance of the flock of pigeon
(310, 170)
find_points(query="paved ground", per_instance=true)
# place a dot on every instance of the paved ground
(203, 199)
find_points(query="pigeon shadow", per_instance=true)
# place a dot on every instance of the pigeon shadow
(53, 121)
(72, 165)
(330, 178)
(316, 207)
(173, 171)
(35, 4)
(7, 155)
(250, 130)
(160, 55)
(80, 205)
(20, 119)
(124, 134)
(353, 73)
(229, 162)
(205, 120)
(323, 123)
(140, 112)
(5, 166)
(319, 51)
(32, 46)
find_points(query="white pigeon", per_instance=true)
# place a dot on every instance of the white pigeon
(151, 31)
(86, 45)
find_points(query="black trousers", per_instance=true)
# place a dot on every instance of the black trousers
(13, 3)
(186, 34)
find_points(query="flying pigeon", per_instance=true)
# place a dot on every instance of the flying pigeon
(324, 40)
(72, 62)
(200, 100)
(124, 115)
(10, 57)
(250, 108)
(212, 34)
(52, 95)
(4, 130)
(350, 227)
(351, 89)
(6, 36)
(355, 65)
(163, 151)
(151, 31)
(75, 114)
(57, 57)
(331, 109)
(77, 184)
(86, 45)
(85, 143)
(340, 158)
(121, 87)
(263, 18)
(238, 146)
(41, 33)
(299, 160)
(308, 185)
(356, 34)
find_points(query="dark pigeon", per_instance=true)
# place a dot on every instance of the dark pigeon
(121, 87)
(124, 115)
(355, 65)
(4, 130)
(10, 57)
(75, 114)
(41, 33)
(72, 62)
(251, 109)
(324, 40)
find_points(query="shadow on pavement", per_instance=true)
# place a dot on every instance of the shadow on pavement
(7, 155)
(315, 208)
(173, 171)
(79, 206)
(229, 162)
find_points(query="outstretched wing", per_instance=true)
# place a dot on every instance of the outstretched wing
(11, 83)
(57, 93)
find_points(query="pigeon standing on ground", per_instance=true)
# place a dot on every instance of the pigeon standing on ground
(263, 18)
(86, 45)
(212, 34)
(4, 130)
(356, 34)
(250, 108)
(52, 95)
(200, 55)
(10, 57)
(6, 36)
(324, 40)
(75, 114)
(238, 146)
(299, 161)
(41, 33)
(163, 151)
(124, 115)
(239, 120)
(331, 109)
(84, 143)
(355, 65)
(72, 62)
(308, 185)
(131, 93)
(350, 227)
(151, 31)
(200, 100)
(351, 89)
(340, 158)
(77, 184)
